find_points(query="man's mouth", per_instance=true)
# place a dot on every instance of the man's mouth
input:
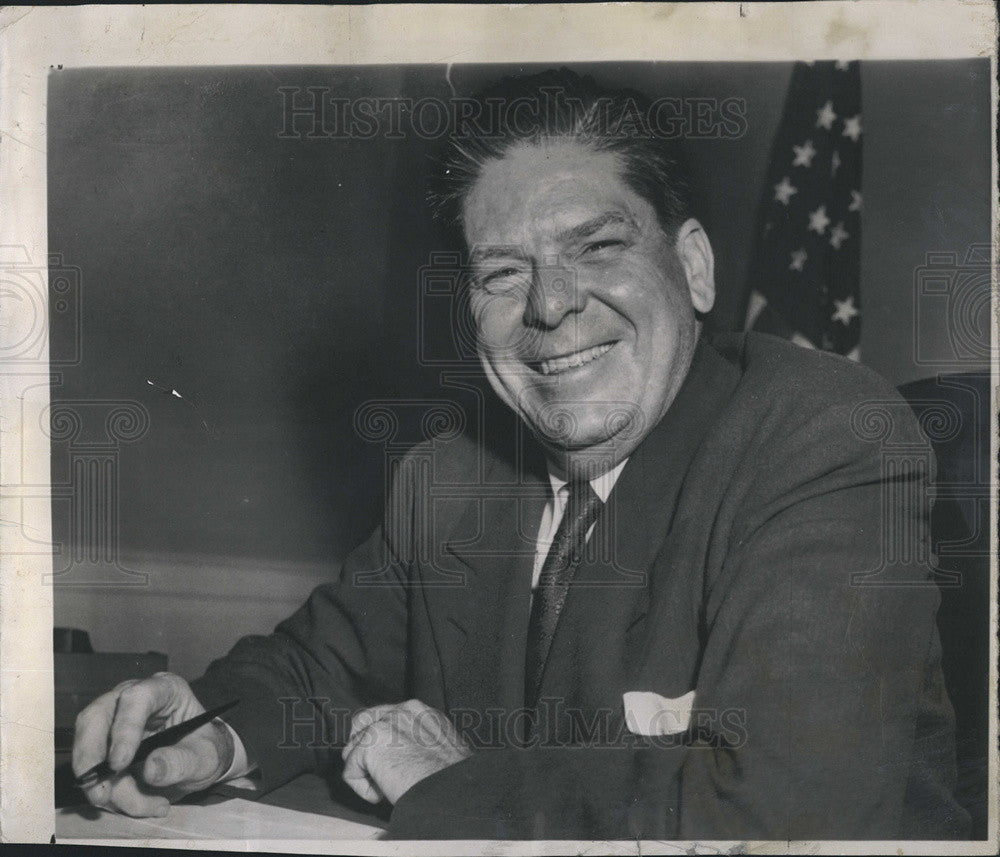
(557, 365)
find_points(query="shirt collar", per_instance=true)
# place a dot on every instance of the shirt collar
(602, 484)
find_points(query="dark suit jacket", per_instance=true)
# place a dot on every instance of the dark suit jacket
(722, 563)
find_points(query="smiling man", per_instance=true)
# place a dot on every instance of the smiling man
(639, 619)
(611, 324)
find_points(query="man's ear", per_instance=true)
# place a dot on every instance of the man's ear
(695, 252)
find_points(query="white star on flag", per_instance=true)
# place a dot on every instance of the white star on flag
(852, 127)
(804, 154)
(784, 190)
(825, 116)
(755, 307)
(838, 235)
(818, 221)
(845, 310)
(803, 341)
(811, 256)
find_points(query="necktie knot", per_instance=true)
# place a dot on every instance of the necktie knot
(580, 490)
(582, 508)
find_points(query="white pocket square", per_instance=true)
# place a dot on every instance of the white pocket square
(649, 713)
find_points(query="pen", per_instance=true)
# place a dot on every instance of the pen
(153, 742)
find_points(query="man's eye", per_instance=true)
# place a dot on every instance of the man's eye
(501, 278)
(598, 246)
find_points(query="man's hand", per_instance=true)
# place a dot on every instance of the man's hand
(111, 728)
(393, 747)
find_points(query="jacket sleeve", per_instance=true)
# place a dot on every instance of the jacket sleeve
(343, 650)
(821, 679)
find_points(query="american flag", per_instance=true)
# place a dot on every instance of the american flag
(804, 275)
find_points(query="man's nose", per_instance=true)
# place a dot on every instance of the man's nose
(554, 294)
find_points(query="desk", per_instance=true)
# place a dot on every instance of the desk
(309, 807)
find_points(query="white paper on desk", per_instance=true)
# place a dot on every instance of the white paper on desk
(232, 819)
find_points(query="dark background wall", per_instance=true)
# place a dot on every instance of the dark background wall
(273, 283)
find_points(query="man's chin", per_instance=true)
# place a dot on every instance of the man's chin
(564, 430)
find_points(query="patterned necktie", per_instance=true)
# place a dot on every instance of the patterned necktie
(553, 584)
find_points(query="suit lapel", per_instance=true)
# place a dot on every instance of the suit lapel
(600, 626)
(480, 626)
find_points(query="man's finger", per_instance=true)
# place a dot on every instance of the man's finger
(360, 723)
(357, 777)
(364, 788)
(136, 704)
(90, 738)
(126, 798)
(366, 717)
(99, 794)
(356, 739)
(429, 728)
(169, 766)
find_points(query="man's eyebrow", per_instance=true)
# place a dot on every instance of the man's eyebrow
(589, 227)
(574, 233)
(496, 251)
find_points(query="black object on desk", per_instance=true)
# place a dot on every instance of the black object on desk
(82, 675)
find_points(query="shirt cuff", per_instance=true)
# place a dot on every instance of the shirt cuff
(239, 769)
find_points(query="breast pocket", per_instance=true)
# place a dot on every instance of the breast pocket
(648, 713)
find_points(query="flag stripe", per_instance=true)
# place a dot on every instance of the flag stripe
(806, 264)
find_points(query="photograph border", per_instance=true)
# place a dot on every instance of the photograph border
(33, 41)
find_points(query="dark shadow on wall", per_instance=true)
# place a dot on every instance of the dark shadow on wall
(274, 282)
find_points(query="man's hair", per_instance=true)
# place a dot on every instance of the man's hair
(559, 104)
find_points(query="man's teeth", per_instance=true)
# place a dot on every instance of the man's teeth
(578, 358)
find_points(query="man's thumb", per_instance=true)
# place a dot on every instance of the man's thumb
(168, 766)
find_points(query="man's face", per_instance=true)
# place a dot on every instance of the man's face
(584, 308)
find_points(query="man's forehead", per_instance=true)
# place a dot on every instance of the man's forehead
(559, 198)
(526, 164)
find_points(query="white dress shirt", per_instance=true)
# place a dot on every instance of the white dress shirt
(554, 510)
(237, 775)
